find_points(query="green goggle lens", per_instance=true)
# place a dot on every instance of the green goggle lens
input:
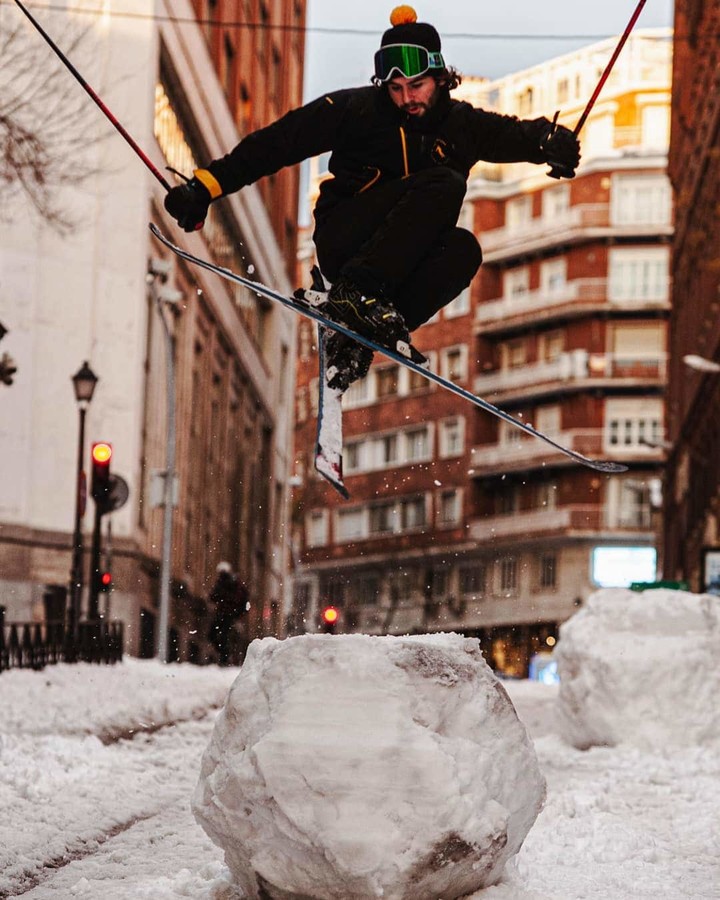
(407, 60)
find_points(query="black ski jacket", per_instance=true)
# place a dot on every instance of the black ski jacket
(371, 140)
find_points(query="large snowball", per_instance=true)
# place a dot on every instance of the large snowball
(641, 668)
(353, 766)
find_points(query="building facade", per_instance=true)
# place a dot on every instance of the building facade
(458, 521)
(201, 76)
(691, 533)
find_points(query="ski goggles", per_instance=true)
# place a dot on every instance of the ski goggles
(408, 60)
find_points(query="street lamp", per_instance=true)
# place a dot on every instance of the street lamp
(84, 381)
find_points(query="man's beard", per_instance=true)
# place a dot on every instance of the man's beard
(406, 107)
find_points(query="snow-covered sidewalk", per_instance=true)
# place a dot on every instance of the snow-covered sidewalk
(98, 765)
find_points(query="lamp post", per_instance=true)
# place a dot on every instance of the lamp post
(84, 381)
(164, 297)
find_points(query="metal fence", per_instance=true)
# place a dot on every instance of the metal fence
(34, 645)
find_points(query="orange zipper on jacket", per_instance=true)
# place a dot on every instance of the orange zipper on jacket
(403, 143)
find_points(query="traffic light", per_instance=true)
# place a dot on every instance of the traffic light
(105, 582)
(101, 484)
(329, 617)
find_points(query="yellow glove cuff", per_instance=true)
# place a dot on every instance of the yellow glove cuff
(209, 181)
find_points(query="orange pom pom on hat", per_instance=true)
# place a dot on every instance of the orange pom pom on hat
(410, 48)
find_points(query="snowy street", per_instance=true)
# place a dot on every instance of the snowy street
(98, 764)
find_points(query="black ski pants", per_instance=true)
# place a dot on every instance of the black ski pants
(401, 238)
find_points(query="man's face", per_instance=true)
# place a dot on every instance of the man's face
(414, 96)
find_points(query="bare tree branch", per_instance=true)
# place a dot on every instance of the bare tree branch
(46, 123)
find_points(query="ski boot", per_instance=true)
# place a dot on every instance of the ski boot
(347, 361)
(372, 317)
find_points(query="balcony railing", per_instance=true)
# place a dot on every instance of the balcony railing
(575, 518)
(577, 367)
(580, 293)
(568, 226)
(528, 452)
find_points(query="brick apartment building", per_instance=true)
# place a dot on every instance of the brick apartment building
(691, 533)
(187, 79)
(457, 521)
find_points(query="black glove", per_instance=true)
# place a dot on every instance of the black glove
(188, 203)
(562, 151)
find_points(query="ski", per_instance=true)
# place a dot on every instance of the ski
(329, 442)
(310, 312)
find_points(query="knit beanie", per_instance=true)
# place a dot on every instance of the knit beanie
(407, 30)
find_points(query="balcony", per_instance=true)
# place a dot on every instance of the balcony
(575, 519)
(574, 370)
(531, 453)
(574, 298)
(577, 223)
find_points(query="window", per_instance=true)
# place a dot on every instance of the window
(387, 381)
(638, 350)
(365, 590)
(353, 454)
(510, 436)
(358, 394)
(516, 282)
(416, 382)
(454, 363)
(628, 503)
(386, 450)
(515, 354)
(641, 200)
(350, 524)
(452, 437)
(460, 306)
(639, 273)
(317, 528)
(555, 201)
(553, 276)
(382, 518)
(525, 101)
(449, 507)
(508, 574)
(413, 513)
(548, 570)
(633, 422)
(417, 444)
(473, 580)
(552, 345)
(518, 212)
(548, 420)
(546, 496)
(507, 500)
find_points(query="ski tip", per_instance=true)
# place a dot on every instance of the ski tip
(606, 465)
(332, 475)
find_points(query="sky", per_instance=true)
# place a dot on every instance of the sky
(98, 765)
(338, 60)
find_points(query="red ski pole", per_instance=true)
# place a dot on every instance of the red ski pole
(78, 77)
(557, 171)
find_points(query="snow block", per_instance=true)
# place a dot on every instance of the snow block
(641, 669)
(352, 767)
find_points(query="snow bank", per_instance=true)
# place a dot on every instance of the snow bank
(641, 668)
(353, 766)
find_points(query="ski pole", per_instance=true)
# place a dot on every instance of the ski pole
(558, 171)
(78, 77)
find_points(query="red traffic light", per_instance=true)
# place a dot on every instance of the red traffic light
(105, 579)
(101, 453)
(330, 615)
